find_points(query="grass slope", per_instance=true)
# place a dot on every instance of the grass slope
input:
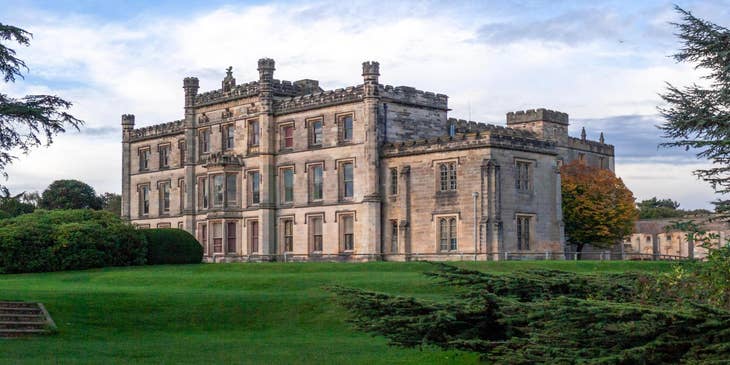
(229, 313)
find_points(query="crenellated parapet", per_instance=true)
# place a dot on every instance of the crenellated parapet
(318, 100)
(484, 135)
(412, 96)
(158, 130)
(534, 115)
(587, 145)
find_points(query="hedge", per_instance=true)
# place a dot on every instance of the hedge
(68, 240)
(172, 246)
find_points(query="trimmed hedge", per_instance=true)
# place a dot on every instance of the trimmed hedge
(172, 246)
(68, 240)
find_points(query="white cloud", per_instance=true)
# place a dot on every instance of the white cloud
(137, 66)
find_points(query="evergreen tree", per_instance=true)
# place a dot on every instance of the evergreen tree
(32, 120)
(70, 194)
(698, 116)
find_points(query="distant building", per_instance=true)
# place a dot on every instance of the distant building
(655, 237)
(270, 168)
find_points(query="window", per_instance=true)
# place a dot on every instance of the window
(164, 156)
(179, 225)
(602, 162)
(522, 176)
(163, 225)
(347, 183)
(288, 235)
(204, 140)
(393, 181)
(228, 135)
(345, 125)
(254, 179)
(230, 237)
(203, 192)
(183, 151)
(253, 235)
(253, 133)
(144, 200)
(287, 184)
(347, 237)
(203, 235)
(447, 234)
(315, 182)
(315, 133)
(447, 176)
(231, 198)
(452, 130)
(523, 233)
(183, 194)
(164, 189)
(581, 157)
(217, 190)
(287, 136)
(217, 238)
(144, 159)
(394, 236)
(315, 234)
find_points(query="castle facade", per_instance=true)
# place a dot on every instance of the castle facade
(280, 170)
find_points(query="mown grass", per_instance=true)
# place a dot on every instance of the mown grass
(230, 313)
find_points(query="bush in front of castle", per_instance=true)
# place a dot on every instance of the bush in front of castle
(172, 246)
(59, 240)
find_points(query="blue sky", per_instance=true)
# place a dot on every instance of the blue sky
(604, 63)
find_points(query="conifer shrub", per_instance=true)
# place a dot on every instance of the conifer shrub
(68, 240)
(172, 246)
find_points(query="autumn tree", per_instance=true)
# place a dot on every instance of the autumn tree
(598, 209)
(31, 120)
(698, 116)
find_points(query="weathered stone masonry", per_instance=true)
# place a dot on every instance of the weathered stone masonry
(284, 170)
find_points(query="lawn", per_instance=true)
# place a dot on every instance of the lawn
(230, 313)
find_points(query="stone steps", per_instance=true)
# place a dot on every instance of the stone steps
(19, 319)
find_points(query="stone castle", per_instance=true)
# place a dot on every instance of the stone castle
(280, 170)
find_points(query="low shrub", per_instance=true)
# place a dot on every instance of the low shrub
(172, 246)
(68, 240)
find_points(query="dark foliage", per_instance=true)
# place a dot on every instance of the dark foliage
(68, 240)
(172, 246)
(70, 194)
(546, 316)
(111, 202)
(13, 206)
(698, 117)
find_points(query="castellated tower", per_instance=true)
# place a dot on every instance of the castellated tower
(547, 124)
(277, 170)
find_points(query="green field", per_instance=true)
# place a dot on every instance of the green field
(229, 313)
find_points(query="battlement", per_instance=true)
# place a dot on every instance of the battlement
(320, 99)
(473, 135)
(535, 115)
(468, 126)
(409, 95)
(158, 130)
(590, 146)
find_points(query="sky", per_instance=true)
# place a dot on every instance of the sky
(602, 62)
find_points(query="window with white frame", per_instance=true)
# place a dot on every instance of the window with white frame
(144, 200)
(315, 132)
(218, 194)
(447, 176)
(344, 124)
(164, 152)
(347, 180)
(523, 175)
(347, 234)
(144, 159)
(287, 184)
(447, 234)
(394, 236)
(523, 232)
(288, 234)
(315, 233)
(229, 133)
(316, 182)
(254, 187)
(164, 192)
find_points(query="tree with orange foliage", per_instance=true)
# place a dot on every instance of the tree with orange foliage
(598, 209)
